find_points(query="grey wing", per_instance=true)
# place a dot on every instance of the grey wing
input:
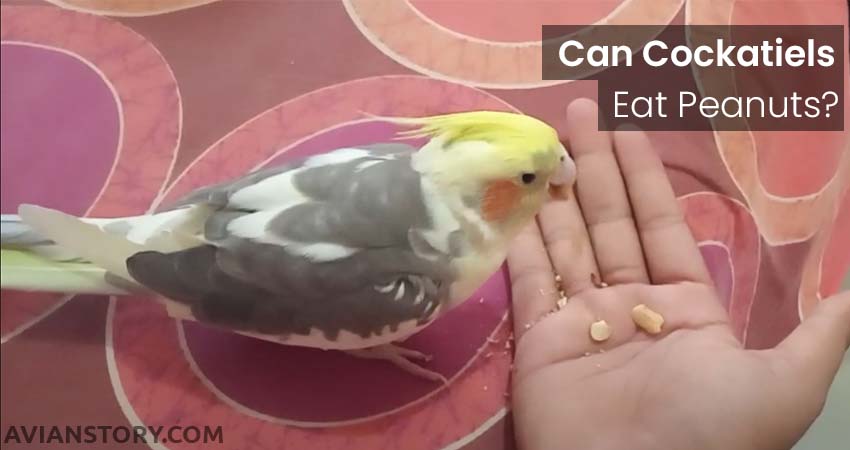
(218, 195)
(343, 257)
(202, 278)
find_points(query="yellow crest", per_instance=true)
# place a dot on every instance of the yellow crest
(508, 131)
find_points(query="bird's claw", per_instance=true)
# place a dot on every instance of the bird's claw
(401, 357)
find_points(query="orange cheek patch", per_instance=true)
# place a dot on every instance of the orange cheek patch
(499, 200)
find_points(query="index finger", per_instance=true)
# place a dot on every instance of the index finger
(533, 287)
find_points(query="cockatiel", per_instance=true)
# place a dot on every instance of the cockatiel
(351, 250)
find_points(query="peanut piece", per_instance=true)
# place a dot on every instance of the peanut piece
(600, 331)
(647, 319)
(562, 303)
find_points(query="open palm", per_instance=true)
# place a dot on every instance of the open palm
(691, 387)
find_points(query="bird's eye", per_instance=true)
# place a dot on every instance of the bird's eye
(562, 158)
(528, 178)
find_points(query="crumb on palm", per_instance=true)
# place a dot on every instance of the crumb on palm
(562, 303)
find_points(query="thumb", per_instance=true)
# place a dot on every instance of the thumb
(818, 344)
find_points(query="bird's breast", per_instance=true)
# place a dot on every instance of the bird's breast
(473, 270)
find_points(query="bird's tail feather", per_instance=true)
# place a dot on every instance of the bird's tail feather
(16, 234)
(49, 250)
(26, 271)
(86, 240)
(13, 231)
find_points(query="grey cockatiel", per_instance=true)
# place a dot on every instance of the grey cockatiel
(351, 250)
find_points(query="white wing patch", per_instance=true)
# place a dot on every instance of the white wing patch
(398, 285)
(340, 156)
(399, 294)
(419, 296)
(253, 226)
(385, 289)
(277, 191)
(323, 251)
(369, 163)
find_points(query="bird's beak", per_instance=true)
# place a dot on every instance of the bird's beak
(562, 181)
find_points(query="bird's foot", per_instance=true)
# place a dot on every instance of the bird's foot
(401, 357)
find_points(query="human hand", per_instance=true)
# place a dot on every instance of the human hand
(691, 387)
